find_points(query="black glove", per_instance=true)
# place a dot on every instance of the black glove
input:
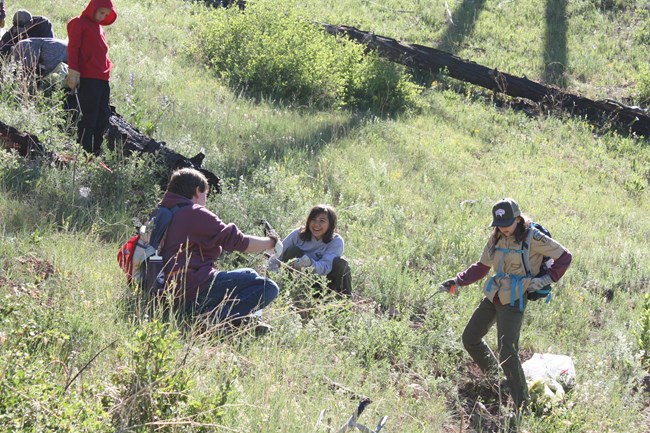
(450, 286)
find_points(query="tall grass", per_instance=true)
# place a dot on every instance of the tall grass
(80, 351)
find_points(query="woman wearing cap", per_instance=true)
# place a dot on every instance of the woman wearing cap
(503, 253)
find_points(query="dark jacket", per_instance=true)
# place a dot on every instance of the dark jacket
(87, 46)
(194, 241)
(39, 27)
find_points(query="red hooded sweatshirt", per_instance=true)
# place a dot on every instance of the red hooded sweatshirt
(87, 47)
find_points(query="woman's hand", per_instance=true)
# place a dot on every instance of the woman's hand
(301, 263)
(450, 286)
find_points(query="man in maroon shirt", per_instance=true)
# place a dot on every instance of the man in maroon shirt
(195, 239)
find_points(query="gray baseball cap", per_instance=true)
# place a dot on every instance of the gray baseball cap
(504, 212)
(22, 18)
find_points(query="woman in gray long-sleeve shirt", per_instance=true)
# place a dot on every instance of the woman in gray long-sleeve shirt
(317, 247)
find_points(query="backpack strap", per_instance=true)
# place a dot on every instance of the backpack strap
(517, 280)
(173, 210)
(163, 219)
(526, 260)
(525, 247)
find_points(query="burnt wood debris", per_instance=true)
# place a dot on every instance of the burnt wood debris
(120, 133)
(636, 119)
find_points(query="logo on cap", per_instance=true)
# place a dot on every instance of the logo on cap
(500, 212)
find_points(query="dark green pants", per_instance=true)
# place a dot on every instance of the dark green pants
(340, 277)
(508, 320)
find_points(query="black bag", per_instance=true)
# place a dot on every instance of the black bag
(544, 292)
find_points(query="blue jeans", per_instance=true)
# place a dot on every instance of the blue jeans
(234, 294)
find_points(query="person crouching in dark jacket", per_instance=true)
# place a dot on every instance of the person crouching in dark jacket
(25, 25)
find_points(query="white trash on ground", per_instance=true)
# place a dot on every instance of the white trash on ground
(547, 375)
(548, 365)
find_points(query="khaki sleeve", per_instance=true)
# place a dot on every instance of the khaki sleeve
(488, 256)
(546, 246)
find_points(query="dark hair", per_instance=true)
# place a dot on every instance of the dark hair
(521, 231)
(305, 233)
(185, 181)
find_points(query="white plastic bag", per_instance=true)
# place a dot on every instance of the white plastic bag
(550, 366)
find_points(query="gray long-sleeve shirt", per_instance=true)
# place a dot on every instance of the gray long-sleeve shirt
(321, 254)
(42, 53)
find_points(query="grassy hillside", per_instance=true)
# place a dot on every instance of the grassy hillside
(80, 351)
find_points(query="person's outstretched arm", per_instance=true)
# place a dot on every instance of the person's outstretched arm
(257, 244)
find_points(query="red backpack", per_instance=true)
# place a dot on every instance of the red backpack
(139, 258)
(125, 256)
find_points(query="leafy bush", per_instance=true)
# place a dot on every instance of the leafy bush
(271, 51)
(34, 359)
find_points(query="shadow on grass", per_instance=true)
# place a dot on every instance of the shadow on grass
(555, 43)
(462, 24)
(278, 148)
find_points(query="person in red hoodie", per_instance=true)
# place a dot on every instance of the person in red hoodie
(89, 71)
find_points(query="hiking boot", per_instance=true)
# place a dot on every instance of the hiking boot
(260, 329)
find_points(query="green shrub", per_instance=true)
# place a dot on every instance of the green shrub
(35, 358)
(154, 385)
(270, 51)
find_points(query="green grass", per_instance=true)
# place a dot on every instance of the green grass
(413, 193)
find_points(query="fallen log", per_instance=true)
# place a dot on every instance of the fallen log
(131, 140)
(636, 119)
(121, 134)
(27, 145)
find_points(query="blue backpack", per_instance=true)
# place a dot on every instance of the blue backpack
(147, 262)
(516, 291)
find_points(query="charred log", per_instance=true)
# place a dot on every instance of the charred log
(437, 61)
(131, 140)
(27, 145)
(120, 133)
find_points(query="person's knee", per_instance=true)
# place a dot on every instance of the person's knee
(469, 339)
(340, 266)
(340, 277)
(269, 293)
(508, 355)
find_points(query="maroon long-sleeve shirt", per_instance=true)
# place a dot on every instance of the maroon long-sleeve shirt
(194, 241)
